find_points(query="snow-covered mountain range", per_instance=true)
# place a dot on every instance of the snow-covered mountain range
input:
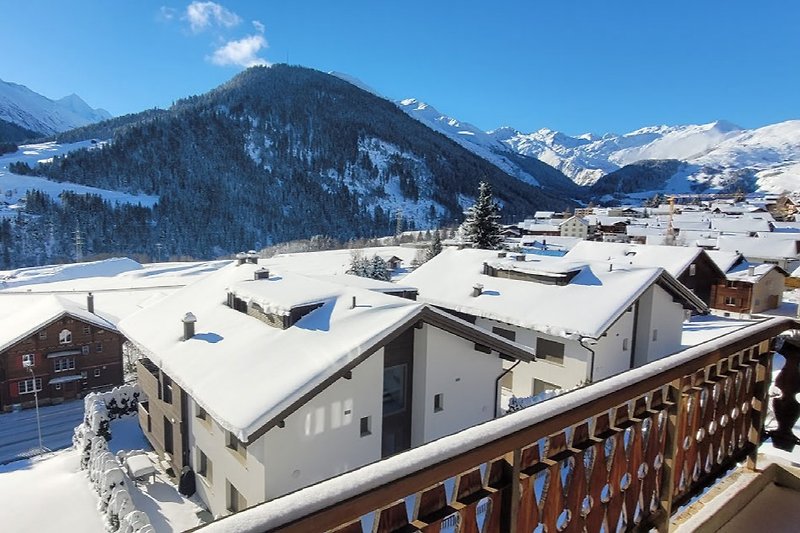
(24, 107)
(718, 155)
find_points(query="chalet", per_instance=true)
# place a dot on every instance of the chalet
(782, 252)
(748, 288)
(54, 347)
(262, 383)
(636, 314)
(691, 266)
(576, 227)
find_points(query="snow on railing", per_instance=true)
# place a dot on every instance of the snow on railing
(105, 473)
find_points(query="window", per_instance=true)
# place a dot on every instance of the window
(624, 345)
(204, 467)
(86, 330)
(64, 363)
(551, 351)
(85, 350)
(438, 402)
(98, 347)
(366, 426)
(692, 269)
(200, 412)
(731, 284)
(730, 300)
(97, 372)
(168, 444)
(65, 337)
(28, 360)
(505, 333)
(28, 386)
(236, 501)
(58, 386)
(394, 389)
(482, 348)
(100, 331)
(43, 334)
(84, 374)
(166, 388)
(655, 335)
(539, 386)
(236, 445)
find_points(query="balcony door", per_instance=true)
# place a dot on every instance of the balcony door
(398, 366)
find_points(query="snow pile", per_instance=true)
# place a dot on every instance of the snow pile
(518, 403)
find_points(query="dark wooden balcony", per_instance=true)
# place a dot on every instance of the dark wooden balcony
(621, 454)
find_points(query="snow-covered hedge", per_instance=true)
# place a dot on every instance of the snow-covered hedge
(105, 472)
(518, 403)
(102, 407)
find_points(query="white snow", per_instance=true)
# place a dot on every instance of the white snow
(14, 186)
(49, 493)
(674, 259)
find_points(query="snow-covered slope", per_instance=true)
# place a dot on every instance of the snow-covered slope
(718, 154)
(31, 110)
(467, 135)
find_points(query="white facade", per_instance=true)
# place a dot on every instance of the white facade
(648, 330)
(574, 227)
(324, 437)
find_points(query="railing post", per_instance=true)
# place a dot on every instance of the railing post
(676, 413)
(515, 492)
(758, 412)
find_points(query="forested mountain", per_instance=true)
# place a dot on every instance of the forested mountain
(275, 154)
(647, 175)
(14, 133)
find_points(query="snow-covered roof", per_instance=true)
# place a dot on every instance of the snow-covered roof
(724, 260)
(544, 214)
(674, 259)
(755, 247)
(22, 321)
(365, 283)
(448, 279)
(245, 373)
(739, 225)
(751, 273)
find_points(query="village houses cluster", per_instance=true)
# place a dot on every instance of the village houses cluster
(265, 376)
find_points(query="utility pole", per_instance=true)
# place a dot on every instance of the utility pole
(29, 366)
(78, 243)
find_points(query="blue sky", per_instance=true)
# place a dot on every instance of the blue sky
(572, 66)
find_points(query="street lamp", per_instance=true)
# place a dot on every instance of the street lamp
(29, 366)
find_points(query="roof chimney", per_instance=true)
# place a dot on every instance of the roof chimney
(354, 303)
(477, 289)
(90, 302)
(501, 254)
(252, 257)
(241, 258)
(611, 267)
(188, 325)
(520, 257)
(751, 270)
(261, 273)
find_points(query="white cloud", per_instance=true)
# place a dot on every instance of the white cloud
(165, 14)
(243, 53)
(258, 26)
(202, 15)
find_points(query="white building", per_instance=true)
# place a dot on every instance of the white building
(584, 320)
(281, 380)
(575, 226)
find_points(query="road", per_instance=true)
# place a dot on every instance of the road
(18, 436)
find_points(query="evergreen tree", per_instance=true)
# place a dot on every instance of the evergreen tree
(481, 227)
(435, 248)
(379, 269)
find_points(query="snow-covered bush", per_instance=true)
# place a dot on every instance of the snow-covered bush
(518, 403)
(104, 471)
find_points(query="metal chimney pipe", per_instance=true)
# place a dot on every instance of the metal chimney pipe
(751, 270)
(90, 302)
(477, 290)
(188, 325)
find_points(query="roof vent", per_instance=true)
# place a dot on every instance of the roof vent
(501, 254)
(751, 270)
(261, 273)
(477, 289)
(611, 267)
(90, 302)
(520, 257)
(188, 325)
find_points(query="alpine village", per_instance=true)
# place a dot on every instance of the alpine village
(291, 303)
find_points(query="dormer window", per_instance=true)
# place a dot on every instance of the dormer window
(65, 337)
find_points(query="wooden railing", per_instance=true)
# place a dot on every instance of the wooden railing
(617, 455)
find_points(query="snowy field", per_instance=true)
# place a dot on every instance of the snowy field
(55, 483)
(14, 186)
(18, 435)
